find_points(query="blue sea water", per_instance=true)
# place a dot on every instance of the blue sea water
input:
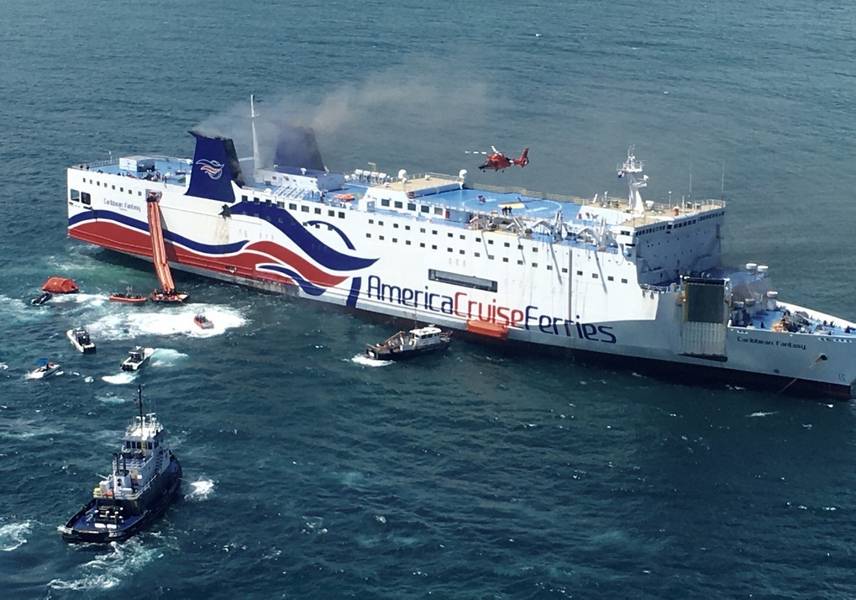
(479, 474)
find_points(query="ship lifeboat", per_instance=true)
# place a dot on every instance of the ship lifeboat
(60, 285)
(487, 329)
(345, 197)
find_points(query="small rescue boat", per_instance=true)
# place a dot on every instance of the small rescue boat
(168, 297)
(137, 358)
(44, 368)
(128, 297)
(203, 321)
(80, 339)
(41, 299)
(406, 344)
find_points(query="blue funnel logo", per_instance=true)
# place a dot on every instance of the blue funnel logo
(212, 168)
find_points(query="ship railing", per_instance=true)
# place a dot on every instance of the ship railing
(96, 164)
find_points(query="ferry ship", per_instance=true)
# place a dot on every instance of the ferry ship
(626, 278)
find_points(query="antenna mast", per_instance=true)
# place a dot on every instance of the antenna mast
(253, 116)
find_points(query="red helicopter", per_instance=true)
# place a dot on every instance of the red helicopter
(498, 161)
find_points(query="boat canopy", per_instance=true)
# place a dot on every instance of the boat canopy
(60, 285)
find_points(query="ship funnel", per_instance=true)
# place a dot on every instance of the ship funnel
(215, 167)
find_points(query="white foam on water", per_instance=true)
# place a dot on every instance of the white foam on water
(108, 570)
(88, 379)
(37, 376)
(169, 321)
(201, 489)
(19, 310)
(3, 366)
(362, 359)
(80, 298)
(166, 357)
(109, 398)
(13, 535)
(123, 378)
(762, 414)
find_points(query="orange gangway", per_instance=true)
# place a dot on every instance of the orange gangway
(158, 249)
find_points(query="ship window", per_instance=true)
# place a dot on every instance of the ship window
(331, 213)
(507, 245)
(433, 232)
(564, 270)
(304, 208)
(534, 249)
(130, 192)
(425, 209)
(520, 246)
(433, 246)
(113, 186)
(490, 256)
(411, 206)
(380, 223)
(438, 210)
(476, 254)
(461, 252)
(292, 206)
(519, 262)
(395, 225)
(463, 280)
(86, 198)
(406, 242)
(449, 234)
(399, 204)
(421, 244)
(478, 239)
(579, 272)
(448, 249)
(371, 221)
(380, 237)
(121, 189)
(594, 275)
(139, 193)
(98, 183)
(368, 235)
(317, 211)
(255, 199)
(549, 267)
(610, 278)
(384, 202)
(463, 237)
(421, 230)
(244, 198)
(504, 259)
(490, 242)
(341, 215)
(407, 228)
(74, 195)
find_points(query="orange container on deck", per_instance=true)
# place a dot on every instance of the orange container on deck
(487, 329)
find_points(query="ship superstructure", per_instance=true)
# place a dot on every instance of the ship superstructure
(629, 278)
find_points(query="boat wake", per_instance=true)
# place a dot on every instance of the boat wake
(123, 378)
(761, 414)
(166, 357)
(14, 535)
(80, 298)
(108, 570)
(32, 376)
(362, 359)
(171, 321)
(200, 490)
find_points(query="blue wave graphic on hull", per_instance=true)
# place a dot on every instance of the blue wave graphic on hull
(306, 286)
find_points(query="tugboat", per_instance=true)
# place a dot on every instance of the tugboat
(203, 321)
(128, 297)
(41, 299)
(144, 479)
(137, 357)
(80, 339)
(406, 344)
(44, 368)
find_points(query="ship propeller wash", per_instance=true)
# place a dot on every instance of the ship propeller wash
(630, 279)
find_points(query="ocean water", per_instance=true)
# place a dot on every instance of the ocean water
(481, 473)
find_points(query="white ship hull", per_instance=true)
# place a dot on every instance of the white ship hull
(420, 265)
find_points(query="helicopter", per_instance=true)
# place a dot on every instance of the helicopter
(497, 161)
